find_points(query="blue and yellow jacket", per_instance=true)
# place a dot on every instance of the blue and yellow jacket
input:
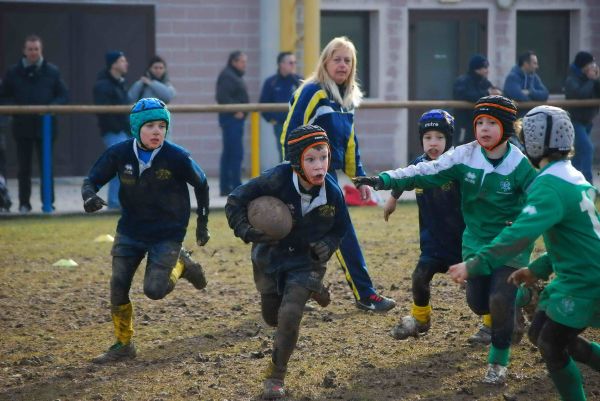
(312, 105)
(155, 202)
(441, 223)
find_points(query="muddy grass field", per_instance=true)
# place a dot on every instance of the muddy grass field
(213, 345)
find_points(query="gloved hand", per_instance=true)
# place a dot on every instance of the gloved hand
(93, 204)
(255, 235)
(202, 234)
(375, 182)
(321, 250)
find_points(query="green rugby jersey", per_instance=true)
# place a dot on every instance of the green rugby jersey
(491, 197)
(560, 205)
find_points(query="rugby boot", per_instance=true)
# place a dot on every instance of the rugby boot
(409, 327)
(496, 374)
(192, 270)
(117, 352)
(483, 335)
(273, 389)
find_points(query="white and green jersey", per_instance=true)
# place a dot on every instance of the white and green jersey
(560, 205)
(491, 197)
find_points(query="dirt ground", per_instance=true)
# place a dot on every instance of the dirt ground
(213, 345)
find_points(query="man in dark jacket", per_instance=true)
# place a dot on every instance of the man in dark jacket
(231, 89)
(583, 83)
(32, 81)
(470, 87)
(109, 89)
(523, 84)
(279, 88)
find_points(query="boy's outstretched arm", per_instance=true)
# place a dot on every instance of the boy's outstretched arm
(374, 182)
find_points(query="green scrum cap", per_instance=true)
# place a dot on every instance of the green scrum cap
(145, 110)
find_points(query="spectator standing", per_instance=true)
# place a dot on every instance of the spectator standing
(154, 83)
(279, 88)
(582, 83)
(523, 84)
(231, 89)
(32, 81)
(470, 87)
(114, 128)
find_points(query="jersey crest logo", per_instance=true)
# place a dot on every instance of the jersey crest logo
(447, 187)
(566, 306)
(470, 177)
(327, 211)
(505, 187)
(163, 174)
(128, 169)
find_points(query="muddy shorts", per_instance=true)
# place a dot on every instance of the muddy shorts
(310, 277)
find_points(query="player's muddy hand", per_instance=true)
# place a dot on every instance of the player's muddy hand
(458, 273)
(258, 236)
(522, 276)
(202, 235)
(93, 204)
(321, 250)
(375, 182)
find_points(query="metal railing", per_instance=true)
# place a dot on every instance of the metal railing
(253, 108)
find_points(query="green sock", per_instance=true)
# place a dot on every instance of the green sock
(499, 356)
(568, 382)
(523, 296)
(594, 361)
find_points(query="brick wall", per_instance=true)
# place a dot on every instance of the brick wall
(196, 36)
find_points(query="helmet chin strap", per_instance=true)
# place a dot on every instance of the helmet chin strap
(490, 148)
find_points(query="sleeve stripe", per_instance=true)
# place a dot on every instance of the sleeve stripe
(350, 156)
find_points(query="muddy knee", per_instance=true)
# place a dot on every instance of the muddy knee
(269, 304)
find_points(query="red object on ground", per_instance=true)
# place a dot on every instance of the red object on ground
(352, 196)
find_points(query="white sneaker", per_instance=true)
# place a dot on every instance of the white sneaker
(496, 374)
(409, 326)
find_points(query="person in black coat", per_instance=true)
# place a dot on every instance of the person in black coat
(32, 81)
(583, 83)
(110, 89)
(231, 89)
(470, 87)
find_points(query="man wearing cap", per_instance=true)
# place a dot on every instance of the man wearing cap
(522, 84)
(32, 81)
(582, 83)
(470, 87)
(109, 89)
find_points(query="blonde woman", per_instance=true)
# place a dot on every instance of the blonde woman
(328, 98)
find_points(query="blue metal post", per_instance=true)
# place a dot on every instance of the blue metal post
(47, 164)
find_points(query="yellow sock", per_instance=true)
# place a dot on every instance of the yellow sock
(122, 316)
(487, 320)
(421, 313)
(176, 272)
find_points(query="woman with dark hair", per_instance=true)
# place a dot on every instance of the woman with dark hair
(154, 83)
